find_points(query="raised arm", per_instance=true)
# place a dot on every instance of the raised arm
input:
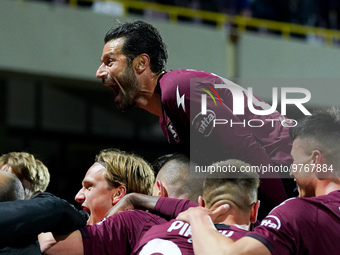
(164, 206)
(134, 201)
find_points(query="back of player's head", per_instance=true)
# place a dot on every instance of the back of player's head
(141, 37)
(26, 167)
(11, 188)
(127, 169)
(321, 131)
(175, 174)
(160, 161)
(241, 188)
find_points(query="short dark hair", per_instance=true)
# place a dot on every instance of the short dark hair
(141, 37)
(11, 188)
(323, 123)
(321, 131)
(162, 160)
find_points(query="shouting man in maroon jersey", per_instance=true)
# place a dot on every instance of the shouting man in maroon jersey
(133, 66)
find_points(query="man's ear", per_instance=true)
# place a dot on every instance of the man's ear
(254, 210)
(201, 201)
(161, 189)
(119, 193)
(317, 157)
(141, 62)
(318, 161)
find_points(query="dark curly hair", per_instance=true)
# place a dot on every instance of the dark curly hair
(141, 37)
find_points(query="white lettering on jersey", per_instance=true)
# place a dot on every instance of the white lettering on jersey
(273, 222)
(226, 233)
(185, 230)
(180, 99)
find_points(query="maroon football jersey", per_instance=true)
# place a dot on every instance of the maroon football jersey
(260, 140)
(118, 234)
(174, 237)
(252, 142)
(302, 226)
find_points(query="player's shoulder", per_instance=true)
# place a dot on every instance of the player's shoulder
(290, 204)
(298, 206)
(289, 210)
(333, 196)
(175, 80)
(179, 81)
(140, 215)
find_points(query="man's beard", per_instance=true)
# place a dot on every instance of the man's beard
(131, 88)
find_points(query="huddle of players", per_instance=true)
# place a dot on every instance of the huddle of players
(133, 66)
(288, 229)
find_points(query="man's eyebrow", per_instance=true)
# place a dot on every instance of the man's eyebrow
(108, 54)
(105, 56)
(87, 182)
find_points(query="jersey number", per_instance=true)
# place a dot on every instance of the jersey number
(160, 247)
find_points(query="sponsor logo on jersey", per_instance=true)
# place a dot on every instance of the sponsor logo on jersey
(205, 87)
(271, 221)
(172, 132)
(180, 99)
(204, 123)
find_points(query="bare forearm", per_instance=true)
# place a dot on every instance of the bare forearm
(144, 202)
(133, 201)
(71, 244)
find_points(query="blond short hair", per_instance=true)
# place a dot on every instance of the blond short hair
(127, 169)
(25, 166)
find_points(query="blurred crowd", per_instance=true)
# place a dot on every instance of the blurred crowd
(317, 13)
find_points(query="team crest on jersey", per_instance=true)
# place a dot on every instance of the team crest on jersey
(271, 221)
(172, 132)
(204, 123)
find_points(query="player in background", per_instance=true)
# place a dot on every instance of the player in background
(21, 220)
(10, 187)
(174, 179)
(308, 224)
(33, 174)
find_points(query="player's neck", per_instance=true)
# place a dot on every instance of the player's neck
(237, 220)
(326, 186)
(150, 99)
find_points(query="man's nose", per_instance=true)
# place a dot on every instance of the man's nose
(80, 197)
(101, 72)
